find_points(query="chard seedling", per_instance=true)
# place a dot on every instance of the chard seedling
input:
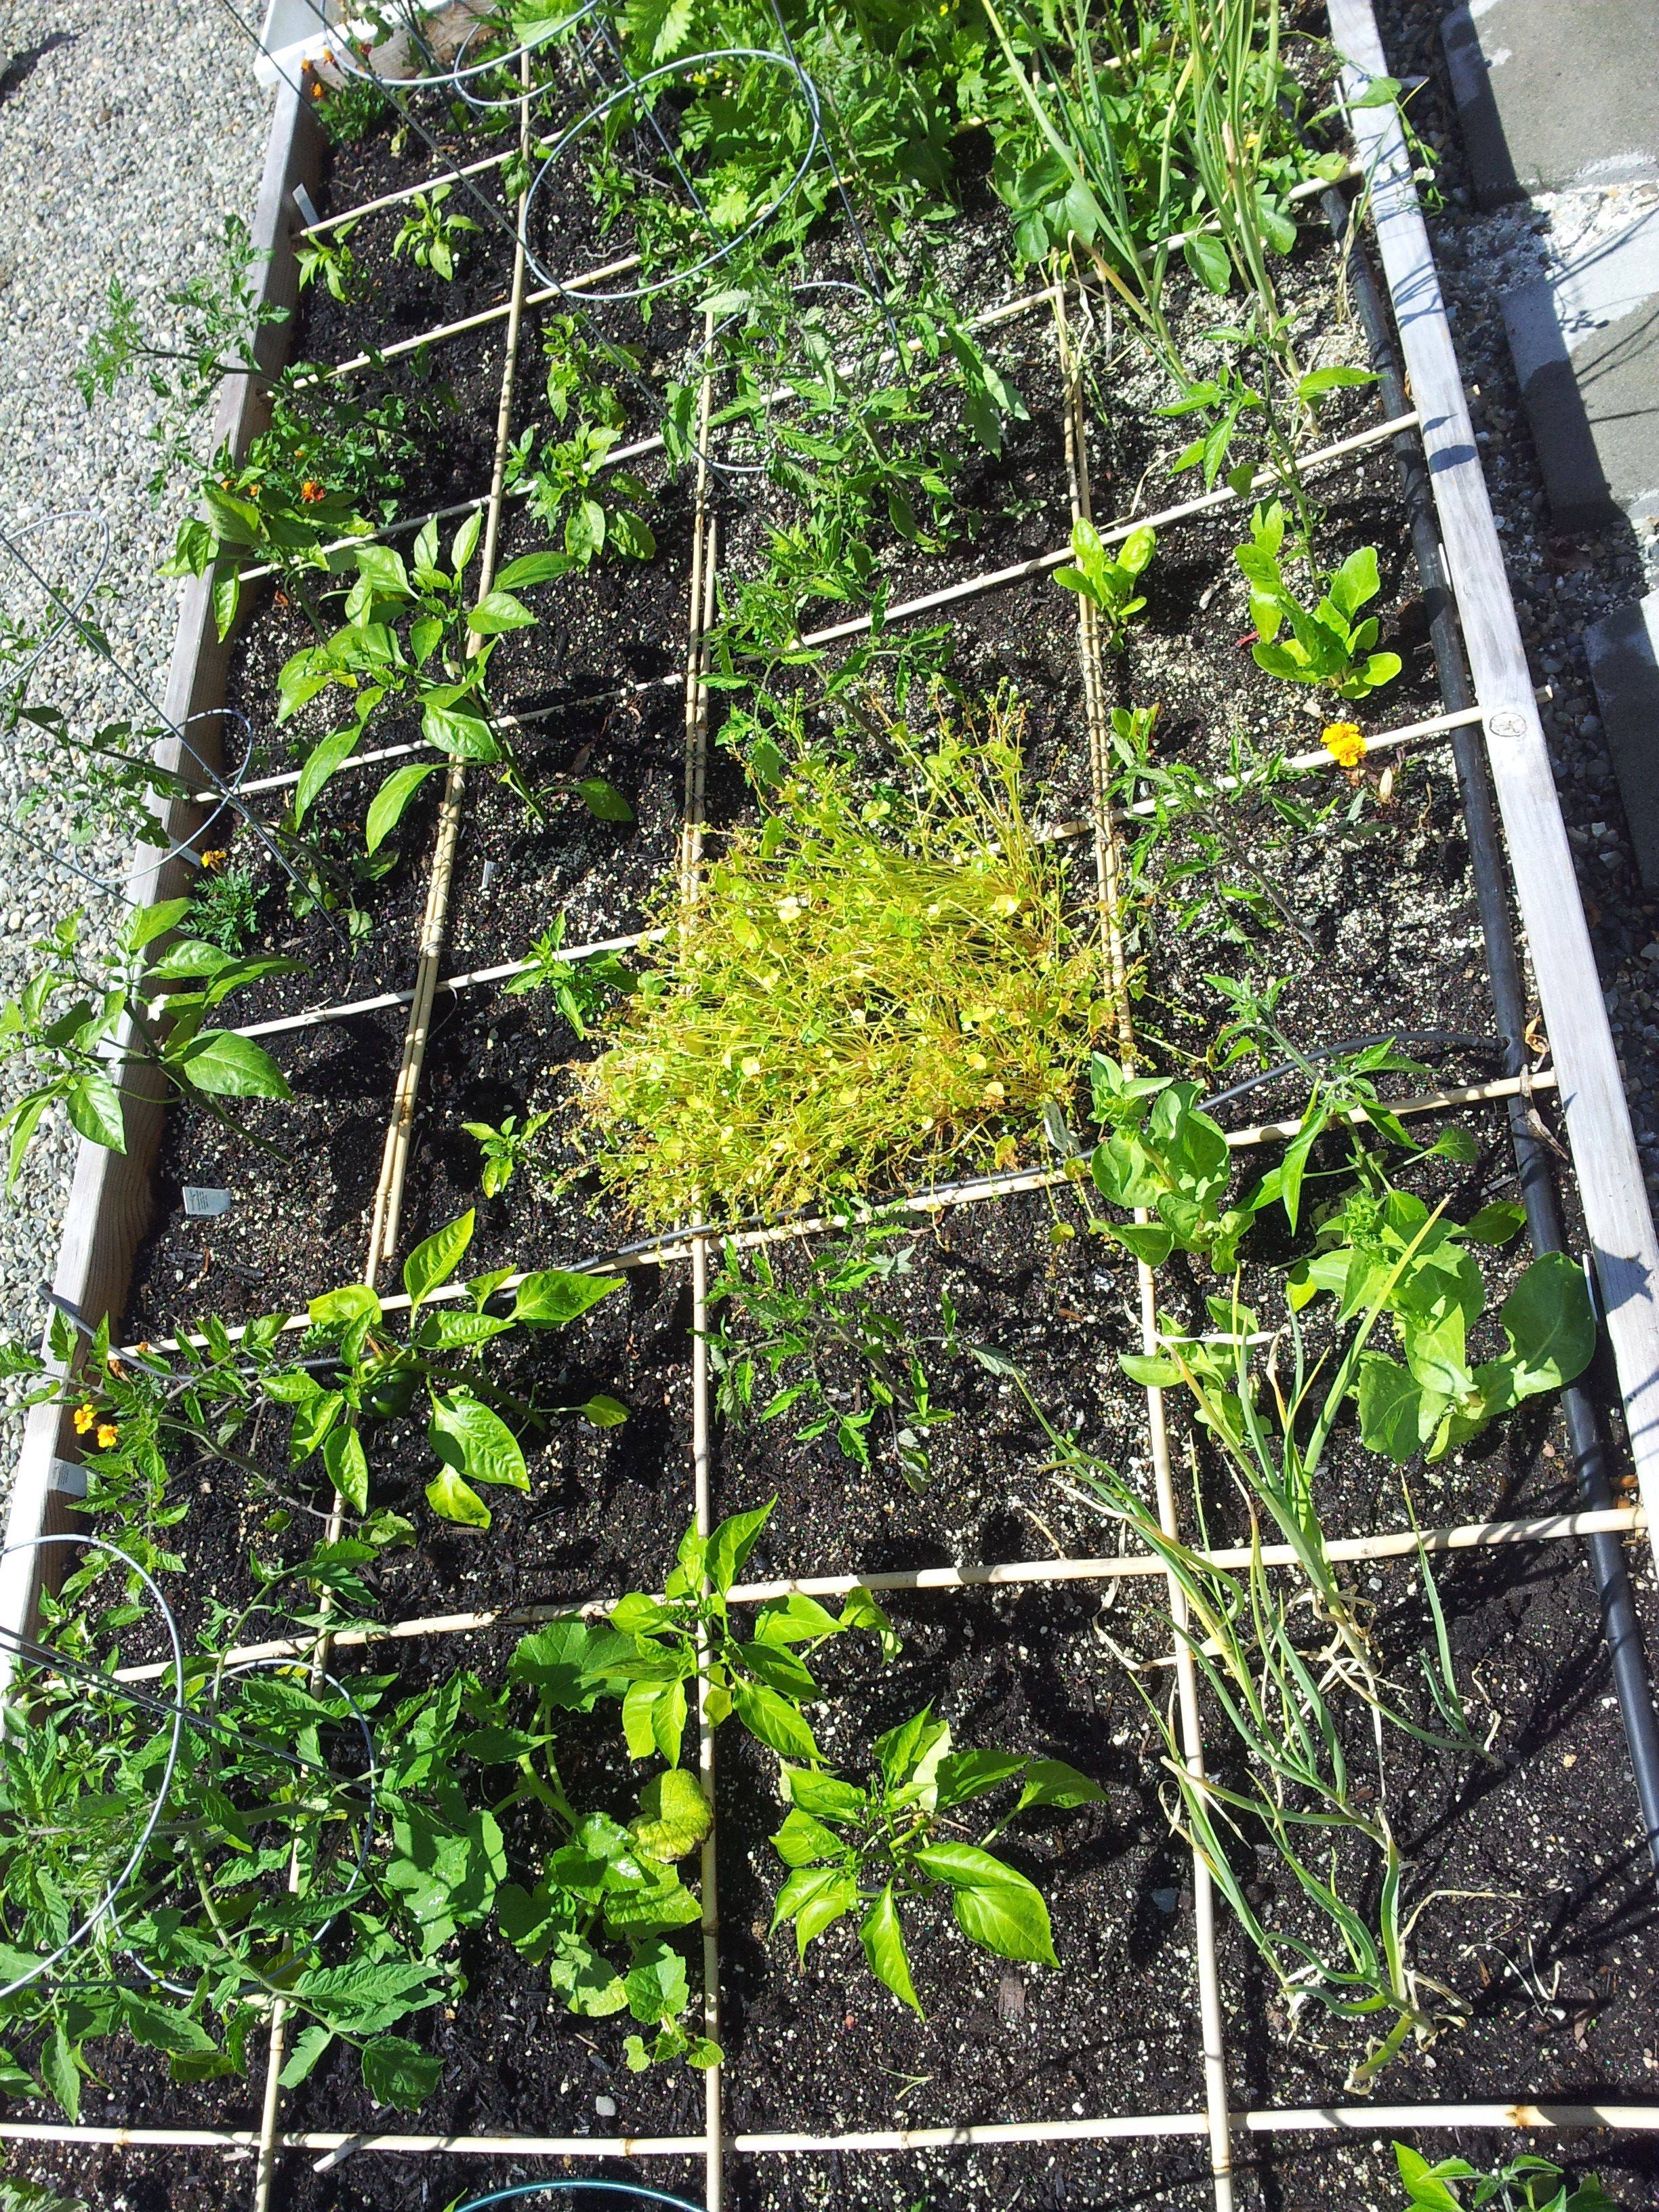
(1328, 643)
(1441, 1399)
(1108, 582)
(880, 1850)
(648, 1652)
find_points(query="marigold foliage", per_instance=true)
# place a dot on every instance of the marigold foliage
(884, 980)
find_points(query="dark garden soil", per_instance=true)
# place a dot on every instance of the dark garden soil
(1537, 1909)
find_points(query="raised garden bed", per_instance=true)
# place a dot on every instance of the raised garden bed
(1309, 867)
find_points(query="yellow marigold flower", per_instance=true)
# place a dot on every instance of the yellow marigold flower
(1344, 742)
(311, 491)
(216, 859)
(84, 1417)
(108, 1436)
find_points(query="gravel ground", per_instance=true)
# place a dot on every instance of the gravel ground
(1563, 582)
(120, 153)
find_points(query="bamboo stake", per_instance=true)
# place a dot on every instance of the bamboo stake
(1107, 878)
(1395, 1544)
(676, 1245)
(388, 1196)
(1547, 2118)
(700, 616)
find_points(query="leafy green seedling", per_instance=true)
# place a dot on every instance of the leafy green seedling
(329, 258)
(876, 1850)
(1107, 582)
(1327, 644)
(1161, 1152)
(1431, 1287)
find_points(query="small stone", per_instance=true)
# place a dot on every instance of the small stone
(1165, 1899)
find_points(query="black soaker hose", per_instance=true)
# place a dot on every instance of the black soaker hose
(1585, 1439)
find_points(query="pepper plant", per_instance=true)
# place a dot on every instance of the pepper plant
(881, 1849)
(648, 1651)
(440, 1363)
(83, 1015)
(431, 234)
(410, 640)
(581, 988)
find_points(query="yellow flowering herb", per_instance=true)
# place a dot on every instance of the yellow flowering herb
(853, 1003)
(1344, 742)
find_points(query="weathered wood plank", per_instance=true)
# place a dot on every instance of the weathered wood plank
(1616, 1214)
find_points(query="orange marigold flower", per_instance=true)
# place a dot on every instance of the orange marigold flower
(84, 1417)
(108, 1436)
(1344, 742)
(311, 491)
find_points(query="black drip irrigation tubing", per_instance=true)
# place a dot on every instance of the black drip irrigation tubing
(1538, 1195)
